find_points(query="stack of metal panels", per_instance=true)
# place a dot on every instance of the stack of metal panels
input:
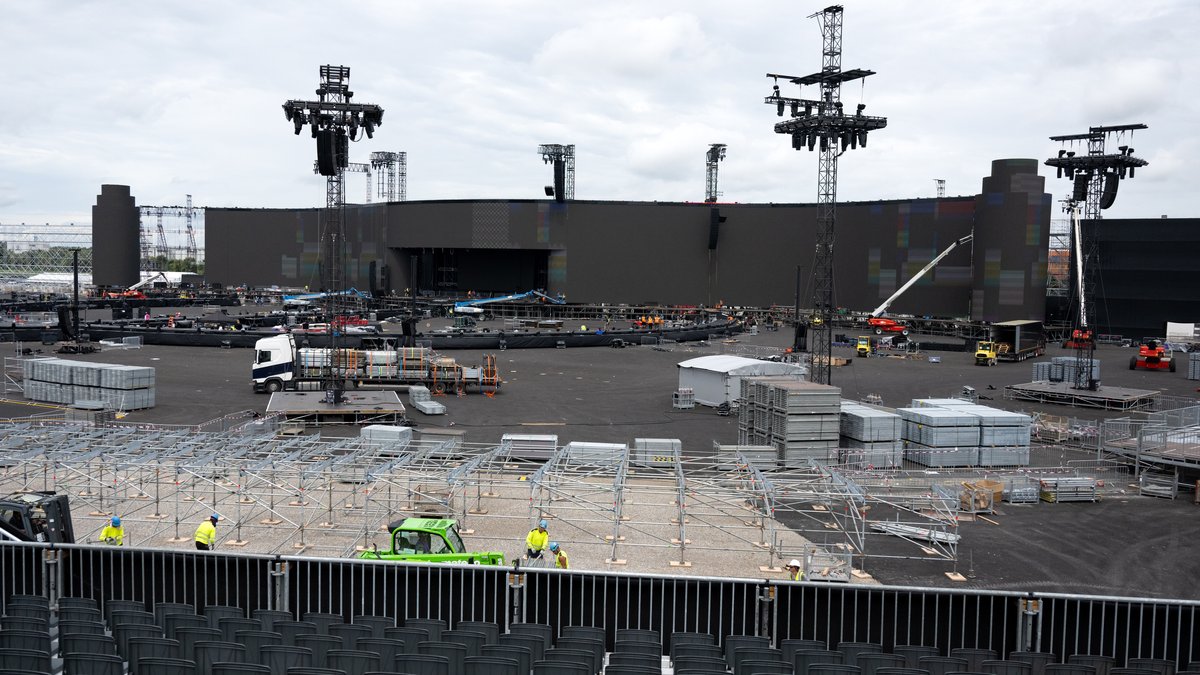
(764, 457)
(540, 447)
(1072, 489)
(1071, 365)
(1048, 371)
(940, 436)
(656, 451)
(1003, 436)
(63, 381)
(578, 452)
(1194, 366)
(939, 403)
(800, 419)
(386, 434)
(870, 436)
(419, 398)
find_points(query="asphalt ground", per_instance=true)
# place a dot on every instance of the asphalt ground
(1123, 545)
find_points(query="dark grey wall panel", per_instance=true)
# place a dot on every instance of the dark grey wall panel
(1012, 235)
(116, 240)
(1149, 274)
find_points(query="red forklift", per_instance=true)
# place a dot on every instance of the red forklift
(1152, 355)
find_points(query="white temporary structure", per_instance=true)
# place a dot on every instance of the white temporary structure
(718, 379)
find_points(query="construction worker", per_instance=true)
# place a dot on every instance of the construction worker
(795, 572)
(206, 534)
(537, 541)
(113, 534)
(560, 556)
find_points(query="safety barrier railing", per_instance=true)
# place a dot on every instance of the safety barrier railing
(834, 613)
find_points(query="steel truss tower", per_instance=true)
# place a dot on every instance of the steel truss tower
(164, 252)
(822, 121)
(563, 159)
(1095, 178)
(335, 122)
(393, 179)
(716, 153)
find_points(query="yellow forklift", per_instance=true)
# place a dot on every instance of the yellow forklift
(863, 346)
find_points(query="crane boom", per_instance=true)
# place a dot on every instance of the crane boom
(916, 277)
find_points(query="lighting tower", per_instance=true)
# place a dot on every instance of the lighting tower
(822, 121)
(1095, 178)
(394, 175)
(335, 121)
(941, 187)
(716, 153)
(193, 255)
(563, 159)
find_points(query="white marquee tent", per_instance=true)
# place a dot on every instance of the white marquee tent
(718, 379)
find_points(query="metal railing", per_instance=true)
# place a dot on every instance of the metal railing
(834, 613)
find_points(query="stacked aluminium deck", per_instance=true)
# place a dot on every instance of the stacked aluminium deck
(870, 436)
(949, 432)
(1062, 369)
(1194, 366)
(802, 420)
(117, 387)
(419, 398)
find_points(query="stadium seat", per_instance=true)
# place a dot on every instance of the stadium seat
(741, 654)
(914, 653)
(1160, 666)
(350, 632)
(544, 631)
(113, 606)
(409, 636)
(162, 609)
(452, 652)
(1100, 663)
(281, 658)
(684, 638)
(593, 646)
(208, 653)
(174, 621)
(566, 655)
(421, 664)
(869, 663)
(645, 647)
(634, 670)
(769, 667)
(535, 644)
(320, 646)
(522, 655)
(74, 602)
(25, 659)
(558, 667)
(254, 641)
(698, 650)
(733, 642)
(639, 635)
(434, 626)
(291, 630)
(164, 666)
(140, 648)
(268, 617)
(974, 657)
(353, 662)
(86, 643)
(472, 640)
(586, 632)
(80, 613)
(93, 664)
(237, 669)
(809, 657)
(900, 671)
(26, 623)
(387, 649)
(378, 624)
(129, 616)
(1036, 660)
(490, 630)
(1132, 671)
(214, 613)
(998, 667)
(323, 620)
(941, 665)
(229, 626)
(490, 665)
(188, 636)
(627, 659)
(852, 650)
(1075, 668)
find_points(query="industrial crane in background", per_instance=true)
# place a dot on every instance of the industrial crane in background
(823, 121)
(1094, 178)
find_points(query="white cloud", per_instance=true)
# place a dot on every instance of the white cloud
(172, 97)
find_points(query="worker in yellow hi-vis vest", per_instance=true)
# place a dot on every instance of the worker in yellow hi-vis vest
(795, 570)
(206, 534)
(537, 541)
(560, 556)
(113, 534)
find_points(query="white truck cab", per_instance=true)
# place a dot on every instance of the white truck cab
(274, 363)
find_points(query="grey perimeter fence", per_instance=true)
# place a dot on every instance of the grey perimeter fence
(1063, 625)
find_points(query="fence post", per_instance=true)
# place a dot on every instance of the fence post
(279, 585)
(52, 581)
(1029, 627)
(516, 595)
(766, 605)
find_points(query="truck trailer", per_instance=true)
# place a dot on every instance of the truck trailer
(280, 365)
(1018, 340)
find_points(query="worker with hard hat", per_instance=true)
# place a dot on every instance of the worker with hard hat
(560, 556)
(537, 541)
(113, 534)
(206, 534)
(795, 570)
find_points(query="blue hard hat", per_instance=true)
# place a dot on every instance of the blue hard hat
(116, 522)
(215, 516)
(542, 524)
(554, 546)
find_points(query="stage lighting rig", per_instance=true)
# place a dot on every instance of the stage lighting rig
(1095, 178)
(716, 153)
(822, 122)
(335, 121)
(563, 159)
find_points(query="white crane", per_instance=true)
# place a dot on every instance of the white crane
(878, 311)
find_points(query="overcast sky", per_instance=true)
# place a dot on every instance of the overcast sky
(175, 98)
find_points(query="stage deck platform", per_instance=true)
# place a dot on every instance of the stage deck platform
(358, 407)
(1108, 398)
